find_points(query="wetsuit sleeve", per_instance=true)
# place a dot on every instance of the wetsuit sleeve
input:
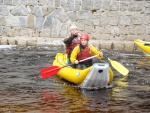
(74, 54)
(68, 40)
(95, 51)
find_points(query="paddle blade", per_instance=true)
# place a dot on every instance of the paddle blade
(49, 71)
(119, 67)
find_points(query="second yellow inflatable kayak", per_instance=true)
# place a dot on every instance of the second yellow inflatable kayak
(143, 45)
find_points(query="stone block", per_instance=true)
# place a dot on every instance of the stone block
(64, 31)
(2, 21)
(32, 41)
(87, 4)
(124, 21)
(22, 22)
(0, 39)
(77, 5)
(57, 3)
(36, 33)
(4, 41)
(30, 21)
(47, 9)
(99, 30)
(132, 30)
(38, 23)
(119, 37)
(147, 38)
(104, 21)
(105, 37)
(12, 41)
(148, 30)
(114, 21)
(14, 32)
(82, 15)
(19, 11)
(21, 41)
(97, 4)
(71, 4)
(89, 29)
(146, 19)
(12, 21)
(118, 45)
(137, 20)
(45, 32)
(4, 10)
(95, 43)
(24, 32)
(41, 41)
(140, 30)
(129, 46)
(105, 45)
(106, 4)
(96, 22)
(131, 37)
(56, 28)
(124, 6)
(5, 31)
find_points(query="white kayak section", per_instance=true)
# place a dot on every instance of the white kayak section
(98, 77)
(7, 46)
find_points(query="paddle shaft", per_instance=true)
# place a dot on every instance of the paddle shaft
(88, 58)
(82, 60)
(52, 70)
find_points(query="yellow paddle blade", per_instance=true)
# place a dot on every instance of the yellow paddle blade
(119, 67)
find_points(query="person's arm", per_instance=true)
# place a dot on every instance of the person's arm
(74, 54)
(68, 41)
(96, 52)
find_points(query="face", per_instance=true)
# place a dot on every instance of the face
(74, 31)
(84, 42)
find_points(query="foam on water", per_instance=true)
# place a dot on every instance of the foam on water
(7, 46)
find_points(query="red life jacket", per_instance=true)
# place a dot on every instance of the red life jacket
(84, 54)
(71, 46)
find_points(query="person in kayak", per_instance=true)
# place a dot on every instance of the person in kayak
(72, 41)
(82, 51)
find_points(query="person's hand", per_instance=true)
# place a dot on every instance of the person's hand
(101, 54)
(76, 62)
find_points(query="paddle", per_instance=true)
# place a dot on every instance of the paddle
(119, 67)
(52, 70)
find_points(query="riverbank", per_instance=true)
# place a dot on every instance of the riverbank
(127, 46)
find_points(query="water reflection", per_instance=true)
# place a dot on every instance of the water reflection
(74, 99)
(23, 90)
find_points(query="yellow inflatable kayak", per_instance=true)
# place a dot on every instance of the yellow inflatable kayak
(143, 45)
(98, 75)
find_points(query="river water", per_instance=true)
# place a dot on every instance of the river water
(22, 90)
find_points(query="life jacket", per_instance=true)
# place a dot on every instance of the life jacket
(71, 46)
(85, 53)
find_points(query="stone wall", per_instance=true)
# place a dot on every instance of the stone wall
(111, 24)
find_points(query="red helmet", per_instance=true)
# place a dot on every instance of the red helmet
(85, 36)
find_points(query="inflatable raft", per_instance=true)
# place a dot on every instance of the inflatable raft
(143, 45)
(99, 75)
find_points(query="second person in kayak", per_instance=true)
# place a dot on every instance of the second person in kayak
(72, 41)
(82, 51)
